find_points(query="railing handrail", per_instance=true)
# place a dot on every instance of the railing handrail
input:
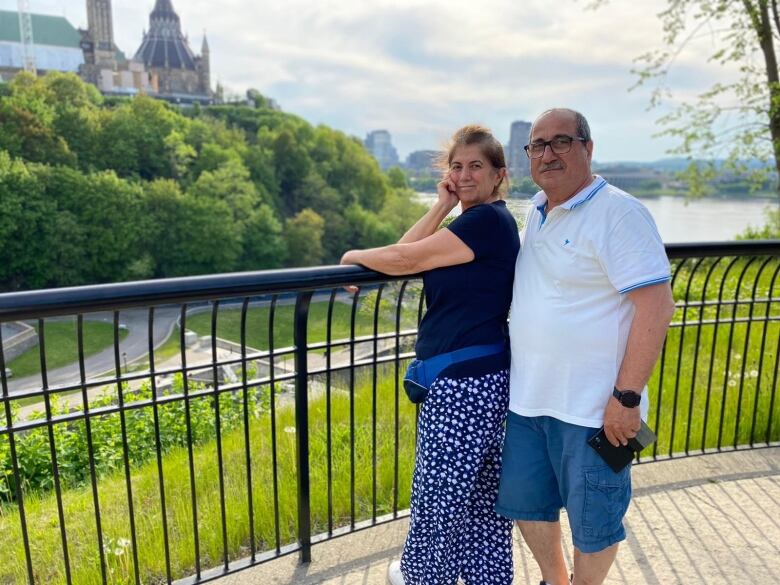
(187, 289)
(735, 248)
(143, 293)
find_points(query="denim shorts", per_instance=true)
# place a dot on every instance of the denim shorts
(548, 465)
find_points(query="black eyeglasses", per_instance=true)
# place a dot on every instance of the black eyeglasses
(560, 144)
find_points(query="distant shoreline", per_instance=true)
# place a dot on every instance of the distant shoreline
(765, 197)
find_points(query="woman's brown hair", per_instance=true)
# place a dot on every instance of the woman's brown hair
(489, 146)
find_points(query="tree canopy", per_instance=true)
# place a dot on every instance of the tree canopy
(94, 189)
(736, 121)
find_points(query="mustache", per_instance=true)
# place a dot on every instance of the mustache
(555, 165)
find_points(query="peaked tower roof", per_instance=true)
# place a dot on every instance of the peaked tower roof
(164, 46)
(164, 9)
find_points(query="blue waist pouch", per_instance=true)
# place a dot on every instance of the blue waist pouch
(421, 373)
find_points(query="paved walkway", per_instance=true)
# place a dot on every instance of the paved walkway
(712, 519)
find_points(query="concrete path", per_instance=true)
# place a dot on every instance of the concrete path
(712, 519)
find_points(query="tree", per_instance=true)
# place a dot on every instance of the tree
(737, 120)
(397, 178)
(264, 246)
(133, 138)
(94, 233)
(303, 235)
(188, 235)
(24, 212)
(229, 183)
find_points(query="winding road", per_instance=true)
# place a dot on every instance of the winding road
(133, 347)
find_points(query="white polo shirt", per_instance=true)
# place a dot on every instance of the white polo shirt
(570, 315)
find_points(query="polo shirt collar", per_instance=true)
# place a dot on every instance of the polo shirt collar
(585, 194)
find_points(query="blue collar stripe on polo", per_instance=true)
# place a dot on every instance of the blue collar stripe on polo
(596, 189)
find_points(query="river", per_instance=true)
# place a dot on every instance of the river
(681, 220)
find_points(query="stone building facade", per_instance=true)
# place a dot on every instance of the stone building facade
(177, 73)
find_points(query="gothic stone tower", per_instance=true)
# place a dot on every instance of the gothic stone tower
(166, 53)
(203, 64)
(99, 48)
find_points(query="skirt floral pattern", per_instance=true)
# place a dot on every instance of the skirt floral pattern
(454, 531)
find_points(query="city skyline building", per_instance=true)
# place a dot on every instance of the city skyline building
(422, 162)
(517, 160)
(380, 144)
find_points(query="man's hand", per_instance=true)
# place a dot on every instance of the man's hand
(620, 423)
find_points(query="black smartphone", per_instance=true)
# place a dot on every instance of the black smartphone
(618, 457)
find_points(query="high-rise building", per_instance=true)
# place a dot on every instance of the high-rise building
(422, 161)
(380, 145)
(516, 157)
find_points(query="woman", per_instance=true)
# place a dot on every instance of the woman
(468, 271)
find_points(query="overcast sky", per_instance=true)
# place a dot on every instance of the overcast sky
(422, 68)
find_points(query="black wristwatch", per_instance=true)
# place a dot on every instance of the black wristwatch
(627, 398)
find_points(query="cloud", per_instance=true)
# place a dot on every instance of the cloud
(421, 68)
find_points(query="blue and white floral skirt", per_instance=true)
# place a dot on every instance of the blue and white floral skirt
(454, 531)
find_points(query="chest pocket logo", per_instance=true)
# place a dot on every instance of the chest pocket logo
(566, 242)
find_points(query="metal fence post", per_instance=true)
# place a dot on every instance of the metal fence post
(300, 339)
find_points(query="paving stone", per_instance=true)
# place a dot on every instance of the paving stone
(711, 519)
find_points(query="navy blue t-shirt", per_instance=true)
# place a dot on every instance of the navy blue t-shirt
(468, 304)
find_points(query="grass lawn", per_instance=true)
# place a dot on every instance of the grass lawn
(229, 322)
(41, 510)
(62, 345)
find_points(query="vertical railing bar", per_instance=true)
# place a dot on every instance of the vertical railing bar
(420, 306)
(680, 346)
(774, 391)
(732, 327)
(352, 409)
(125, 449)
(746, 346)
(190, 454)
(328, 407)
(373, 400)
(158, 446)
(396, 404)
(90, 446)
(218, 431)
(713, 351)
(248, 458)
(730, 323)
(658, 401)
(301, 343)
(691, 391)
(419, 320)
(53, 447)
(700, 327)
(774, 375)
(765, 328)
(15, 464)
(272, 394)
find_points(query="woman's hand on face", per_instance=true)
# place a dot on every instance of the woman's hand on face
(446, 192)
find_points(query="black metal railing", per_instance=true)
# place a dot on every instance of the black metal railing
(184, 429)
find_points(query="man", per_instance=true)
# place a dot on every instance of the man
(590, 308)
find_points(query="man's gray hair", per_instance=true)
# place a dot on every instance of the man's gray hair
(581, 123)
